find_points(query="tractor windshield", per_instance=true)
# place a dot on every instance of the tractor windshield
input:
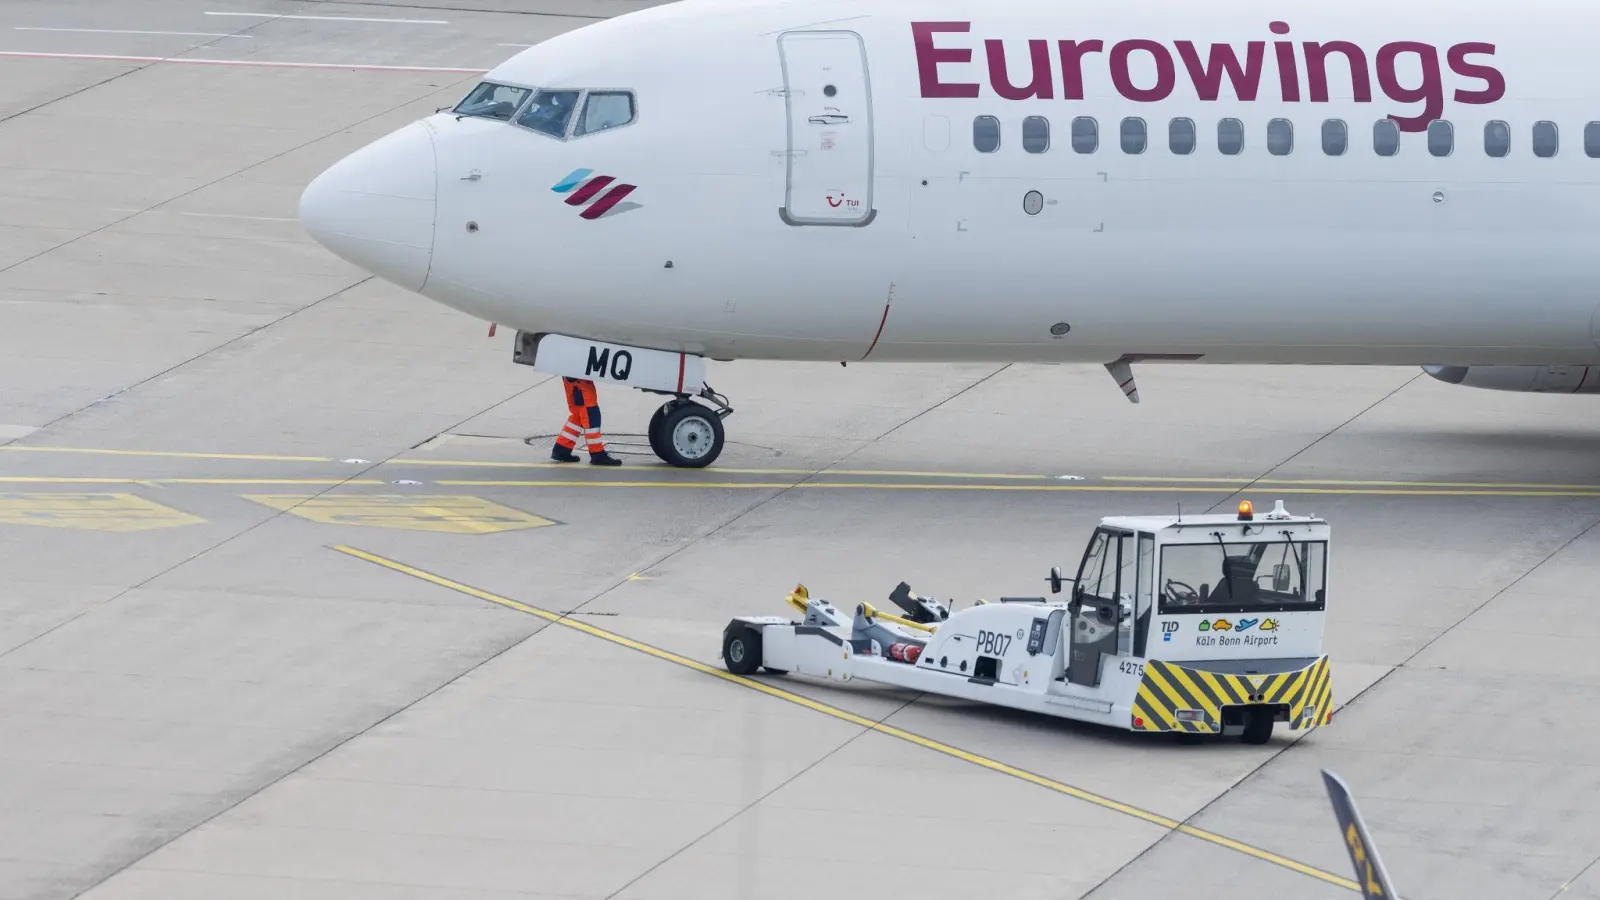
(1275, 576)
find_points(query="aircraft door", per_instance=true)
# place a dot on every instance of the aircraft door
(1101, 604)
(829, 105)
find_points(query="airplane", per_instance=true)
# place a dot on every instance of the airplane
(1030, 182)
(1372, 879)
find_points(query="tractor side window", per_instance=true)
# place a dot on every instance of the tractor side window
(1144, 602)
(550, 112)
(1281, 576)
(1129, 578)
(1094, 568)
(1147, 570)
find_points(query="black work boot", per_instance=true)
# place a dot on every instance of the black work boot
(563, 454)
(603, 459)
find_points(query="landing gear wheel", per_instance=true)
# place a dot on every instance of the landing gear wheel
(654, 431)
(741, 649)
(687, 435)
(1258, 726)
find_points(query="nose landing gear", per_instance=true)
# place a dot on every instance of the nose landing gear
(687, 434)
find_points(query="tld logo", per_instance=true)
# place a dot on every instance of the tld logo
(1168, 629)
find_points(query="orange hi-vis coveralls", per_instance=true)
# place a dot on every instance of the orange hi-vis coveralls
(583, 416)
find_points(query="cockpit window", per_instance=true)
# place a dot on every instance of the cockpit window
(605, 109)
(550, 112)
(492, 101)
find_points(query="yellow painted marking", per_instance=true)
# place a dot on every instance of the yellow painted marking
(91, 512)
(1239, 482)
(1141, 482)
(1047, 488)
(469, 463)
(992, 765)
(50, 479)
(444, 513)
(881, 473)
(13, 448)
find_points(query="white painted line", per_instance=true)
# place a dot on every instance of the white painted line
(218, 34)
(266, 64)
(332, 18)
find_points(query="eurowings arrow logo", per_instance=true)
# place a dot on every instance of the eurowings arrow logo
(581, 189)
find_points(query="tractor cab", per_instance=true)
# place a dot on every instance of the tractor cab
(1236, 587)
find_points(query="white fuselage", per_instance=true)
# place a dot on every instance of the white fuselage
(772, 218)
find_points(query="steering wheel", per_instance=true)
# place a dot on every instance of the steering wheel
(1180, 592)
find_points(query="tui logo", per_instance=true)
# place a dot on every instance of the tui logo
(605, 191)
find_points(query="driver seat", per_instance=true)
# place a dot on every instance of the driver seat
(1238, 584)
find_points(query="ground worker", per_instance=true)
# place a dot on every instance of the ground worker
(583, 421)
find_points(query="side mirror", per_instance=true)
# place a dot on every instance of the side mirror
(1055, 579)
(1280, 577)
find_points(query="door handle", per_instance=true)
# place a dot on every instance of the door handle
(472, 177)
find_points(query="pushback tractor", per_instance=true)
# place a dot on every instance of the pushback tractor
(1199, 625)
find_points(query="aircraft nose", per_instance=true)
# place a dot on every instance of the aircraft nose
(375, 207)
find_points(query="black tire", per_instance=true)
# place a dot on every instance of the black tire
(691, 436)
(654, 430)
(741, 649)
(1258, 726)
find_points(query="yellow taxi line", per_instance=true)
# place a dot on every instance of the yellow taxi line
(1046, 488)
(259, 457)
(1165, 488)
(1239, 482)
(1143, 482)
(985, 762)
(498, 464)
(51, 479)
(882, 473)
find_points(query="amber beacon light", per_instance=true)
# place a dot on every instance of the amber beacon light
(1247, 511)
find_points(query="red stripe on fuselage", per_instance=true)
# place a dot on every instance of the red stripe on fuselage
(594, 186)
(611, 198)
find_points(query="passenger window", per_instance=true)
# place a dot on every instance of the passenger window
(1591, 139)
(986, 134)
(1385, 137)
(492, 101)
(550, 112)
(1497, 138)
(1085, 135)
(1230, 136)
(1335, 137)
(1280, 137)
(1134, 135)
(605, 109)
(1181, 136)
(1035, 134)
(1441, 138)
(1546, 139)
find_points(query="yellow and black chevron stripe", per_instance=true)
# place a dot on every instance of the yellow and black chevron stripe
(1168, 688)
